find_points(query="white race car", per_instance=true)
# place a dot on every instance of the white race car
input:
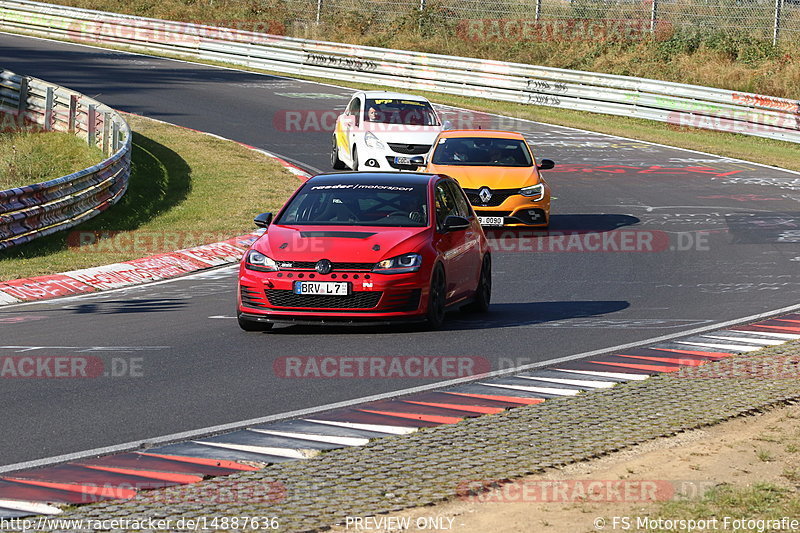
(382, 130)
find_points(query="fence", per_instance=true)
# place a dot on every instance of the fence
(766, 19)
(36, 210)
(679, 104)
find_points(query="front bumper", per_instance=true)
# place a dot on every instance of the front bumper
(270, 297)
(375, 159)
(516, 210)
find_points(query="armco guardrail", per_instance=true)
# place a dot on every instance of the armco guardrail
(684, 105)
(36, 210)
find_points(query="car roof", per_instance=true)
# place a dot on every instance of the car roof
(492, 134)
(393, 95)
(375, 178)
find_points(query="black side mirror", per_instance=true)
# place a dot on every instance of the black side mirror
(546, 164)
(417, 160)
(263, 220)
(455, 223)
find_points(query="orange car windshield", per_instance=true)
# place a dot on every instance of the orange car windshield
(482, 151)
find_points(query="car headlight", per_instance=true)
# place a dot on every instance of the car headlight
(399, 265)
(535, 192)
(257, 261)
(372, 141)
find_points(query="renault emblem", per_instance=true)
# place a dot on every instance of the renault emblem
(485, 194)
(323, 266)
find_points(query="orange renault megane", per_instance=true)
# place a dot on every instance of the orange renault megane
(498, 172)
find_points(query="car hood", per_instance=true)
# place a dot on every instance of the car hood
(361, 244)
(402, 134)
(492, 177)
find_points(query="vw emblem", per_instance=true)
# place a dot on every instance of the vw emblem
(485, 194)
(323, 266)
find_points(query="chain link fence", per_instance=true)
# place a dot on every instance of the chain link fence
(768, 20)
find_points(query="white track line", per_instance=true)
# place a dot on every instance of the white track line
(29, 507)
(262, 450)
(592, 384)
(540, 390)
(619, 375)
(738, 347)
(327, 439)
(787, 336)
(378, 428)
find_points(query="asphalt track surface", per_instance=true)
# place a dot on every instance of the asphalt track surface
(715, 239)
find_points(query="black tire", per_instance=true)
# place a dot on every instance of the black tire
(436, 299)
(483, 292)
(252, 325)
(336, 163)
(355, 159)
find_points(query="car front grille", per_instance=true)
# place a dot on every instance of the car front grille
(335, 267)
(498, 197)
(410, 149)
(356, 300)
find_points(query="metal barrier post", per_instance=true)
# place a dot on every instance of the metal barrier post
(538, 13)
(319, 10)
(48, 109)
(115, 136)
(23, 95)
(91, 125)
(106, 120)
(73, 112)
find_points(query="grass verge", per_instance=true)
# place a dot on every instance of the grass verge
(28, 157)
(185, 189)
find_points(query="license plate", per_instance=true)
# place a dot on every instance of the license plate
(491, 221)
(402, 161)
(333, 288)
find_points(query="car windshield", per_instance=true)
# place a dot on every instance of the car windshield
(399, 111)
(358, 204)
(482, 151)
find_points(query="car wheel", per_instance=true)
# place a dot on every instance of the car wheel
(355, 159)
(252, 325)
(483, 292)
(436, 299)
(336, 163)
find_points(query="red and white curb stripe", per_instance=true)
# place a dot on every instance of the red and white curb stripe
(123, 475)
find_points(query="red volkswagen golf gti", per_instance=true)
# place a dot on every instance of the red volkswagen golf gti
(366, 247)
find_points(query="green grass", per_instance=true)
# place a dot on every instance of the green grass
(29, 157)
(762, 501)
(185, 189)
